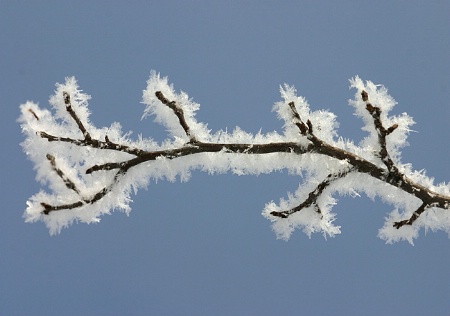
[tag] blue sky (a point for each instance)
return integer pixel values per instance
(202, 247)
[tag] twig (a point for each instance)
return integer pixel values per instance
(69, 183)
(178, 112)
(98, 196)
(312, 196)
(382, 133)
(72, 113)
(413, 217)
(94, 143)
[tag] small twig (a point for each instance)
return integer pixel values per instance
(298, 121)
(375, 112)
(394, 175)
(312, 196)
(413, 217)
(178, 112)
(34, 114)
(69, 183)
(98, 196)
(51, 208)
(72, 113)
(94, 143)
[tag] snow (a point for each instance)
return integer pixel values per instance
(73, 160)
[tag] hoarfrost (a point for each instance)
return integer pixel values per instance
(91, 171)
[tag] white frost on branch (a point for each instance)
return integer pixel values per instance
(65, 146)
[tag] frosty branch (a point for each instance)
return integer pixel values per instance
(75, 157)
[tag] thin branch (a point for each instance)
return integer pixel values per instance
(98, 196)
(382, 132)
(312, 196)
(34, 114)
(94, 143)
(178, 112)
(413, 217)
(69, 183)
(72, 113)
(394, 175)
(304, 130)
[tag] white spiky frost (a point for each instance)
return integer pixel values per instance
(74, 160)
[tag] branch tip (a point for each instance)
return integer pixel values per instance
(391, 129)
(178, 111)
(364, 96)
(161, 97)
(66, 97)
(34, 114)
(47, 208)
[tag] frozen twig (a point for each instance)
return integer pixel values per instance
(382, 132)
(312, 197)
(178, 112)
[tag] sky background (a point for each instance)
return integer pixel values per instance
(202, 247)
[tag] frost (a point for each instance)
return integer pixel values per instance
(87, 172)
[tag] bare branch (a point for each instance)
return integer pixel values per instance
(382, 133)
(394, 175)
(98, 196)
(94, 143)
(72, 113)
(178, 112)
(389, 173)
(34, 114)
(297, 120)
(312, 197)
(69, 183)
(413, 217)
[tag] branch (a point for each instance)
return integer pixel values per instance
(382, 132)
(312, 197)
(394, 175)
(72, 113)
(178, 112)
(389, 173)
(94, 143)
(413, 217)
(69, 183)
(48, 208)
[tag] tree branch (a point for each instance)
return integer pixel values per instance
(382, 133)
(69, 183)
(178, 112)
(316, 146)
(312, 197)
(72, 113)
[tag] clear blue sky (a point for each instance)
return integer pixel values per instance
(202, 247)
